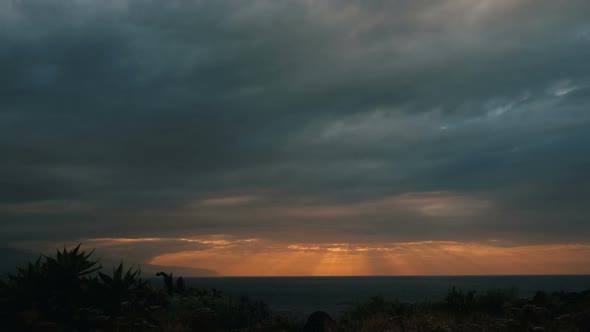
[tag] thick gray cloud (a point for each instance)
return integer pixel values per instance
(125, 118)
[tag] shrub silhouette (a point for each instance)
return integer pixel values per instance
(459, 301)
(67, 279)
(173, 288)
(180, 286)
(119, 287)
(59, 288)
(168, 281)
(492, 301)
(69, 292)
(54, 287)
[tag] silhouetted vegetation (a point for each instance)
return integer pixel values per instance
(491, 301)
(492, 310)
(70, 292)
(173, 288)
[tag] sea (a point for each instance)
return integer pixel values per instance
(300, 296)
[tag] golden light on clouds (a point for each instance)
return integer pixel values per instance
(411, 258)
(110, 241)
(230, 256)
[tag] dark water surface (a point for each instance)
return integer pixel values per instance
(302, 295)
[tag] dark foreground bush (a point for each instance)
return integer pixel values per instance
(492, 301)
(70, 292)
(65, 290)
(467, 311)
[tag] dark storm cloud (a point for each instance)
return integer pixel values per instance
(117, 116)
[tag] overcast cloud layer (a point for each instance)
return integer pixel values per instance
(454, 120)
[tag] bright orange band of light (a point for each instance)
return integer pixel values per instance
(416, 258)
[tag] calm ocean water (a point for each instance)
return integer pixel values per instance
(303, 295)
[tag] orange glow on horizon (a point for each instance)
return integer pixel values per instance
(414, 258)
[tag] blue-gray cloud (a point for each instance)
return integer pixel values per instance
(117, 116)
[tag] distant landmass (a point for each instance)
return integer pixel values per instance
(11, 257)
(149, 270)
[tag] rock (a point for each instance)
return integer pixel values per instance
(319, 321)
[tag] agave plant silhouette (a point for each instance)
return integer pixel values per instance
(120, 286)
(123, 282)
(28, 285)
(74, 264)
(67, 277)
(56, 287)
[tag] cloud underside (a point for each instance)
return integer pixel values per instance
(295, 122)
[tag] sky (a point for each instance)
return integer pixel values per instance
(271, 137)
